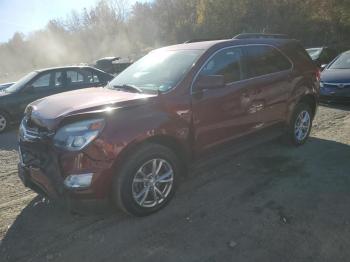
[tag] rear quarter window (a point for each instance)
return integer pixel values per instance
(263, 60)
(297, 53)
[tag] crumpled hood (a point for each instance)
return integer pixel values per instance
(336, 76)
(49, 111)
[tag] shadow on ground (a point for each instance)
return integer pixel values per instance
(8, 140)
(340, 106)
(270, 203)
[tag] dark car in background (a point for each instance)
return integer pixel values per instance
(134, 139)
(335, 80)
(112, 65)
(322, 56)
(42, 83)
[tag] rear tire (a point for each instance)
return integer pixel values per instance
(300, 125)
(146, 181)
(4, 121)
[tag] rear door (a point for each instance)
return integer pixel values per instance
(269, 85)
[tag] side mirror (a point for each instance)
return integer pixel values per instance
(210, 82)
(323, 67)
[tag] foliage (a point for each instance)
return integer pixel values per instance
(111, 28)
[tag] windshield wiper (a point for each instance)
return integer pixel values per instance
(128, 87)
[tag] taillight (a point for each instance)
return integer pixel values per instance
(318, 74)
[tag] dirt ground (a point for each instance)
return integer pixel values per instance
(269, 203)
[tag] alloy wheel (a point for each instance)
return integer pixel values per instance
(152, 183)
(302, 125)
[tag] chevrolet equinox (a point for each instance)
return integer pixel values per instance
(130, 141)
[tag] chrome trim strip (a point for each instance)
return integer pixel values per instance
(336, 84)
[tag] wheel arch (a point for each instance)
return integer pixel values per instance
(7, 113)
(311, 101)
(308, 98)
(182, 152)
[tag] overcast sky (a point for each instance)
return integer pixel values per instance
(29, 15)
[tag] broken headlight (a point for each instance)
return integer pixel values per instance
(76, 136)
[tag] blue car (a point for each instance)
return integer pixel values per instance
(335, 80)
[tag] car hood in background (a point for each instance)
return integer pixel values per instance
(336, 76)
(6, 85)
(49, 111)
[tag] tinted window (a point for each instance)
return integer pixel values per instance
(42, 83)
(93, 77)
(227, 62)
(81, 77)
(74, 78)
(263, 60)
(58, 80)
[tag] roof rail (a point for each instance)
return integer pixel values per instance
(200, 40)
(259, 36)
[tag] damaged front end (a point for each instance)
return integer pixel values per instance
(62, 176)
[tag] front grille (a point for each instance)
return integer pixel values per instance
(39, 155)
(34, 155)
(30, 132)
(337, 85)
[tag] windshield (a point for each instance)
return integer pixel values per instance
(314, 52)
(160, 70)
(342, 62)
(23, 81)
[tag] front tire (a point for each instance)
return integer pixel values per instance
(146, 182)
(301, 124)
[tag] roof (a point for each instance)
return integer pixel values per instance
(63, 67)
(205, 45)
(260, 35)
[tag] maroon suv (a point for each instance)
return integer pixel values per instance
(130, 141)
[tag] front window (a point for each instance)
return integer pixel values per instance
(227, 62)
(160, 70)
(21, 83)
(342, 62)
(42, 83)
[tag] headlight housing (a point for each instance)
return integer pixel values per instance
(321, 84)
(76, 136)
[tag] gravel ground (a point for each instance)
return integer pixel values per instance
(270, 203)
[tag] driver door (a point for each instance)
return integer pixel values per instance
(220, 114)
(45, 84)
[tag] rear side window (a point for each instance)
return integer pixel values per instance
(74, 77)
(227, 62)
(264, 60)
(93, 77)
(58, 79)
(81, 77)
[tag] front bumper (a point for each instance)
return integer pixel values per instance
(38, 182)
(334, 94)
(43, 170)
